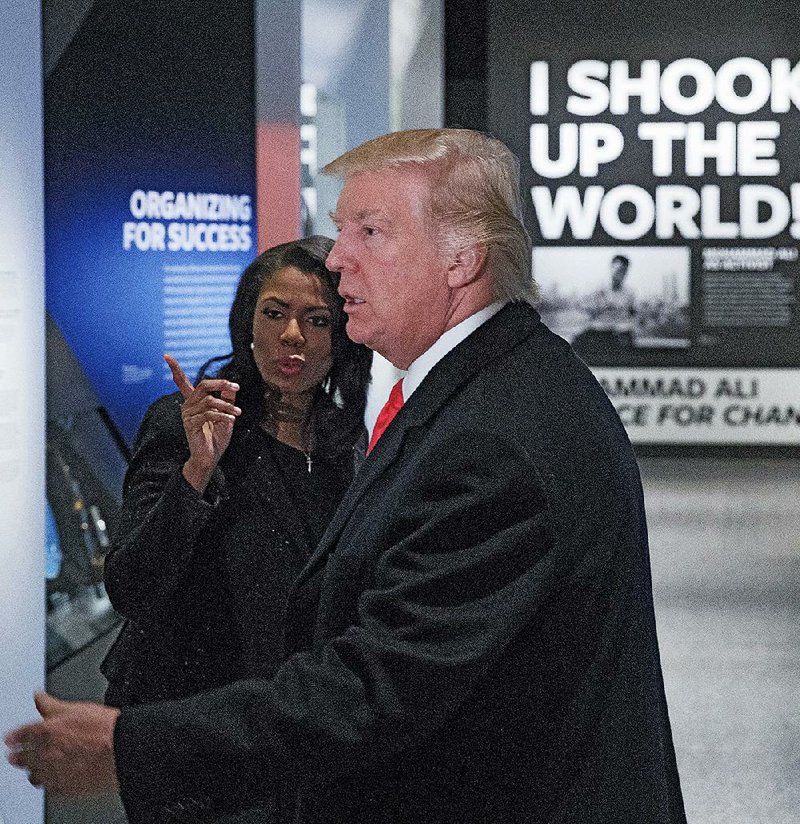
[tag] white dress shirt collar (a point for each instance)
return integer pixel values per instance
(419, 369)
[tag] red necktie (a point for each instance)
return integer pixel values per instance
(390, 409)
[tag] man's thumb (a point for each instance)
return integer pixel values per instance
(46, 704)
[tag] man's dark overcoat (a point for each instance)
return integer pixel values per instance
(474, 639)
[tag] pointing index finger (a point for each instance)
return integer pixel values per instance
(179, 376)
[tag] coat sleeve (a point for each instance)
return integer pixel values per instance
(160, 519)
(463, 549)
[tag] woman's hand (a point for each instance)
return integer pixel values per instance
(208, 421)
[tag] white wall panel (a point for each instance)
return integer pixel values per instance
(22, 413)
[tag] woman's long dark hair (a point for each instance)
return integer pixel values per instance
(338, 408)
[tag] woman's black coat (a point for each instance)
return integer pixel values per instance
(203, 581)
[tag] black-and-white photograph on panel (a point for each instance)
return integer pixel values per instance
(608, 300)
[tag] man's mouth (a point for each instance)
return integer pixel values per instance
(352, 300)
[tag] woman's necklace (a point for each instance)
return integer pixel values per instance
(308, 440)
(290, 426)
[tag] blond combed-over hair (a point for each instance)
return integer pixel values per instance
(475, 196)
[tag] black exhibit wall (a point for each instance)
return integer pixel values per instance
(465, 63)
(661, 184)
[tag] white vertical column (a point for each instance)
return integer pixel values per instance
(22, 395)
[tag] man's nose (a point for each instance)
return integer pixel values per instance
(337, 255)
(292, 334)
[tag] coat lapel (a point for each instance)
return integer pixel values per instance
(493, 339)
(270, 494)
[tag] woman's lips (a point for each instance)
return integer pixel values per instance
(291, 366)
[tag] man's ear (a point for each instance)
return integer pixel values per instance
(466, 266)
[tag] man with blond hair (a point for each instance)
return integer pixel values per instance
(474, 638)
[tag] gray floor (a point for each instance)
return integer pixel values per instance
(79, 679)
(726, 574)
(726, 571)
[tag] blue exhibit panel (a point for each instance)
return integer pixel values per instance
(142, 284)
(150, 162)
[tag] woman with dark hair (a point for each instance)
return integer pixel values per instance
(231, 484)
(338, 404)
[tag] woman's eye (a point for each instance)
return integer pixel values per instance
(273, 314)
(320, 320)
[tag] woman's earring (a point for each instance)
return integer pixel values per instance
(252, 344)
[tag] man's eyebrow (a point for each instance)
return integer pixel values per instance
(364, 214)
